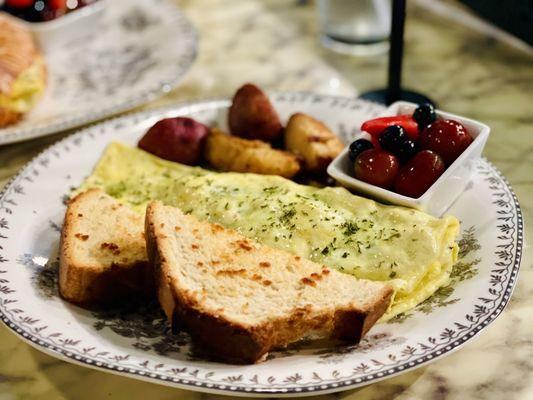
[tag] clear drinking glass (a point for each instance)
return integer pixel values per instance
(359, 27)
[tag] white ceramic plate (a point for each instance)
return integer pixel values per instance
(139, 51)
(136, 343)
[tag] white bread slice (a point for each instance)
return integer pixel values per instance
(241, 299)
(103, 252)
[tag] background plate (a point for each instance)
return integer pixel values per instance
(135, 342)
(139, 51)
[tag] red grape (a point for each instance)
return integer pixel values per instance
(419, 174)
(376, 167)
(447, 138)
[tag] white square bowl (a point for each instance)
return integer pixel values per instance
(444, 191)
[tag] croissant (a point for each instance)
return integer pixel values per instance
(22, 70)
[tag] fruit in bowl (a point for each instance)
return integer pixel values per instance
(377, 167)
(408, 153)
(419, 173)
(446, 137)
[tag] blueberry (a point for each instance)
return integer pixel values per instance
(424, 115)
(392, 137)
(406, 150)
(358, 147)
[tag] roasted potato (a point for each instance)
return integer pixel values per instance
(177, 139)
(312, 141)
(230, 153)
(252, 116)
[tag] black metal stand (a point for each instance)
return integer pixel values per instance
(394, 91)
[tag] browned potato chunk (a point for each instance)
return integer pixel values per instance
(252, 116)
(230, 153)
(312, 141)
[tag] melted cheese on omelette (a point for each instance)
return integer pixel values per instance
(411, 250)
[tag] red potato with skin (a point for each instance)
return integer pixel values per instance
(177, 139)
(252, 116)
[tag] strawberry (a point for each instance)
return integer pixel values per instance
(376, 126)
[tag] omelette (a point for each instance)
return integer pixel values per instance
(411, 250)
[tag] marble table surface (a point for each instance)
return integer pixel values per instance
(274, 44)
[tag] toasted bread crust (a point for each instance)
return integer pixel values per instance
(92, 285)
(352, 325)
(90, 288)
(239, 343)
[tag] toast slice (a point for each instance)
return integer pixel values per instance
(103, 252)
(241, 299)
